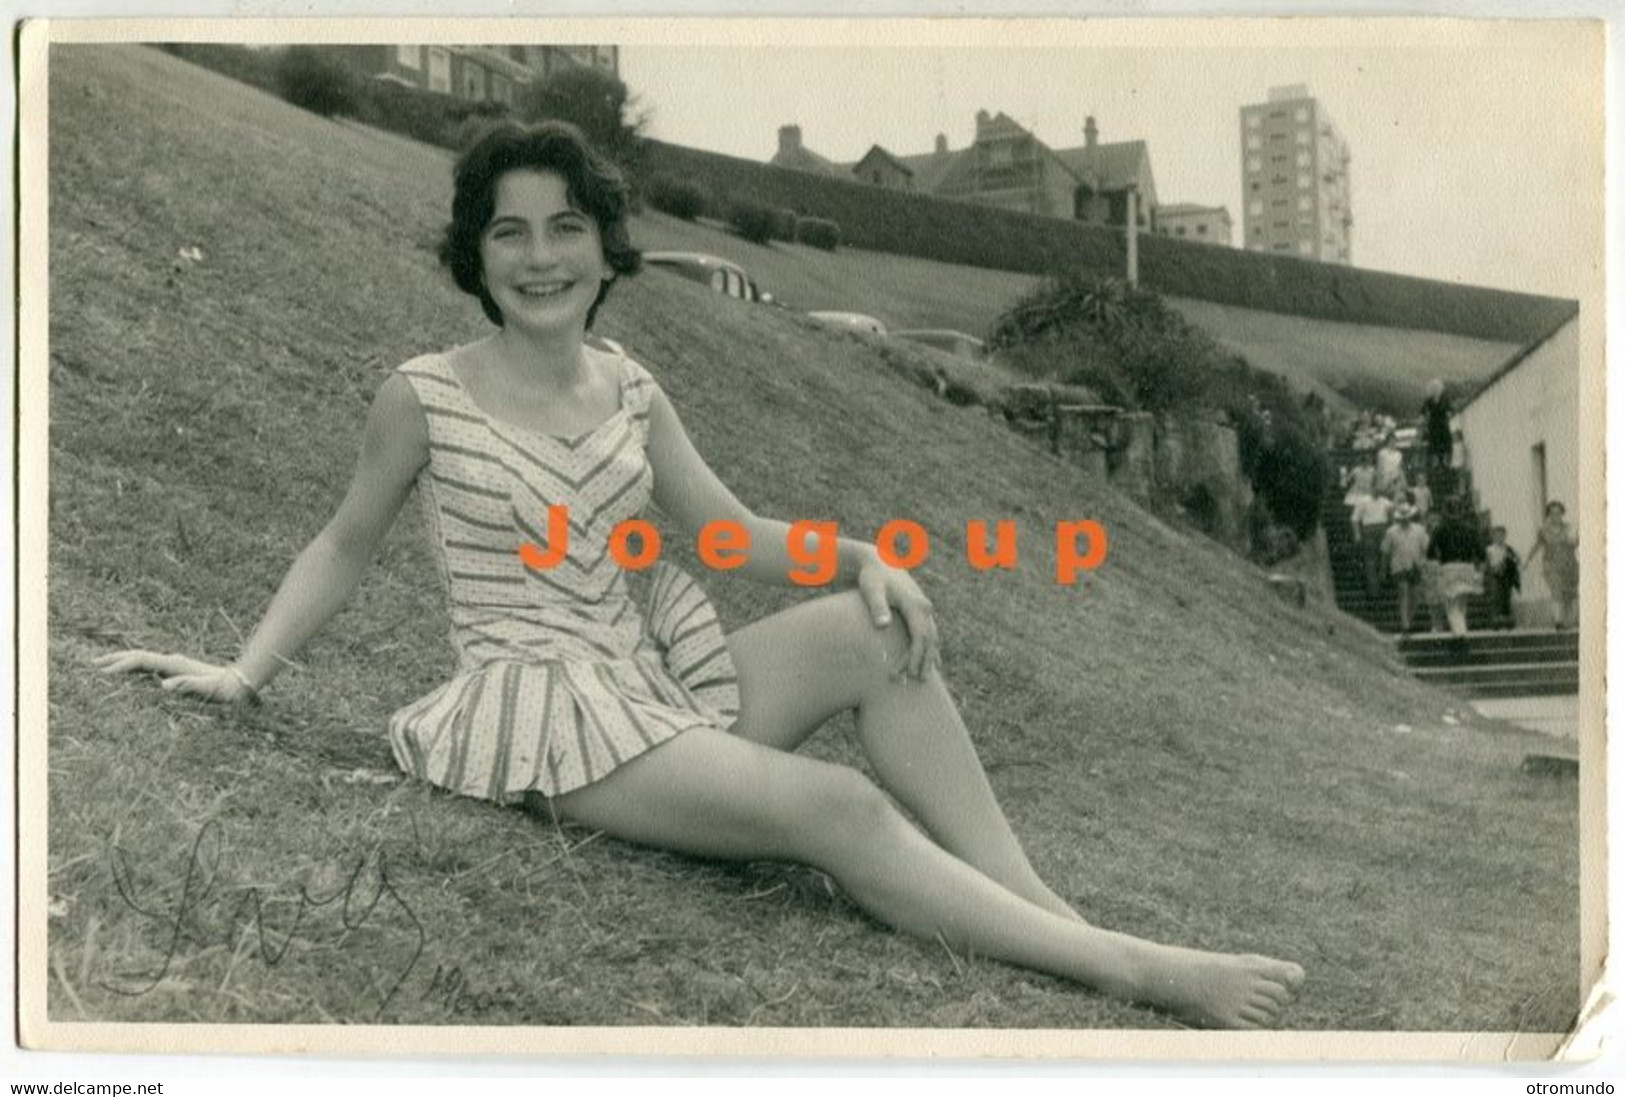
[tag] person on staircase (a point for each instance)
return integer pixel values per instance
(1390, 467)
(1421, 497)
(1436, 412)
(1501, 576)
(1370, 522)
(1405, 546)
(1561, 544)
(1459, 548)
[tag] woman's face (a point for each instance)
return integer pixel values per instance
(541, 258)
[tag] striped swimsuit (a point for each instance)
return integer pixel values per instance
(565, 673)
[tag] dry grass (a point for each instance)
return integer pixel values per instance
(1185, 757)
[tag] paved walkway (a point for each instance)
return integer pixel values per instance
(1557, 716)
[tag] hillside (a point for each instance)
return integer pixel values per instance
(1184, 756)
(904, 223)
(904, 292)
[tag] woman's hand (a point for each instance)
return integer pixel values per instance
(884, 587)
(182, 675)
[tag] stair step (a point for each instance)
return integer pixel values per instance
(1443, 657)
(1502, 674)
(1505, 641)
(1515, 689)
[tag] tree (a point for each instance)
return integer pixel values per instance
(595, 102)
(314, 78)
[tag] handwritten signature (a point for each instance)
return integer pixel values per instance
(366, 887)
(451, 989)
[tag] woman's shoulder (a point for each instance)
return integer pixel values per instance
(638, 385)
(431, 366)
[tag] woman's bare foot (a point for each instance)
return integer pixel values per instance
(1214, 989)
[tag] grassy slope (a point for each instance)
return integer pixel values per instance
(904, 292)
(1184, 757)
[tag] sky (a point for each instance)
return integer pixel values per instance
(1476, 157)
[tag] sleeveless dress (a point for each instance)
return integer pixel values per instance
(564, 673)
(1562, 564)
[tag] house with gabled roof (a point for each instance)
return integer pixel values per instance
(881, 168)
(793, 154)
(1107, 173)
(1006, 165)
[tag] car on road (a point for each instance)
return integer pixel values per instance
(857, 320)
(944, 339)
(720, 274)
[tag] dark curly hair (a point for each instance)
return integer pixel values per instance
(594, 185)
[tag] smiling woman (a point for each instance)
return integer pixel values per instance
(629, 710)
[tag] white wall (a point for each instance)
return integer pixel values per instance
(1537, 402)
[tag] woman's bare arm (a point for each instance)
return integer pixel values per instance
(688, 490)
(394, 446)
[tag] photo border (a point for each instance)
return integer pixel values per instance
(32, 469)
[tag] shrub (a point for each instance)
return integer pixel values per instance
(1275, 433)
(254, 67)
(1105, 334)
(679, 197)
(818, 232)
(1127, 344)
(784, 225)
(412, 112)
(476, 124)
(312, 78)
(752, 220)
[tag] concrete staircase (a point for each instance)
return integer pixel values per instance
(1348, 574)
(1514, 663)
(1517, 663)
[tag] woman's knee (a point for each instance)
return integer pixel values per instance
(880, 649)
(842, 814)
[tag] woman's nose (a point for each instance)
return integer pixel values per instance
(540, 251)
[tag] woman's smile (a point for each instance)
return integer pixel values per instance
(540, 250)
(544, 289)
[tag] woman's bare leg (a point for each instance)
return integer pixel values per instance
(715, 794)
(799, 667)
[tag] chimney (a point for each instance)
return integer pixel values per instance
(942, 143)
(982, 118)
(789, 138)
(1091, 134)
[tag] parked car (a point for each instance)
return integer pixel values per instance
(720, 274)
(851, 320)
(954, 342)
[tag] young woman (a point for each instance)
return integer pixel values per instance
(1558, 539)
(630, 711)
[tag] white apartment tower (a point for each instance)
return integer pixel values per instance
(1294, 178)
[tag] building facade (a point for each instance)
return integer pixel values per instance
(1522, 436)
(1185, 221)
(1108, 172)
(1295, 178)
(1007, 166)
(880, 168)
(480, 74)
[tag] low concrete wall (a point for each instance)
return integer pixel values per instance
(1134, 457)
(1198, 460)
